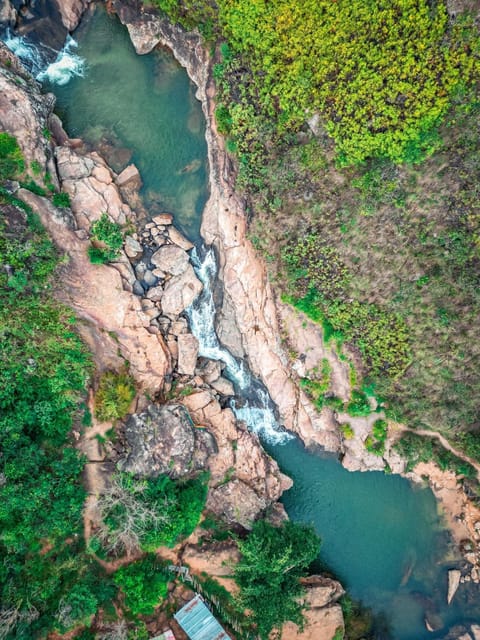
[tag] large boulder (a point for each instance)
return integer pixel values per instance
(187, 353)
(171, 259)
(71, 12)
(180, 291)
(236, 502)
(163, 439)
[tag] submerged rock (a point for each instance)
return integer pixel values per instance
(453, 582)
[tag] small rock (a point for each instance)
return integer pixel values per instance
(177, 238)
(223, 386)
(140, 269)
(475, 630)
(158, 273)
(187, 353)
(475, 574)
(149, 279)
(172, 346)
(155, 294)
(209, 370)
(137, 288)
(133, 248)
(129, 178)
(149, 226)
(179, 326)
(163, 218)
(454, 576)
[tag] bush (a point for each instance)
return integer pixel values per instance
(114, 396)
(144, 585)
(11, 158)
(110, 234)
(375, 443)
(273, 559)
(359, 405)
(61, 199)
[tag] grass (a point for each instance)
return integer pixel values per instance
(114, 396)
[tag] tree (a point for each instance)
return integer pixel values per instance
(273, 559)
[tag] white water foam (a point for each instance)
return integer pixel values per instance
(36, 58)
(66, 65)
(256, 407)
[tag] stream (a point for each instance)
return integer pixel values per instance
(381, 536)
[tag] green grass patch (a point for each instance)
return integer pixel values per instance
(114, 396)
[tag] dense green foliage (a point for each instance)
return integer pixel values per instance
(61, 199)
(144, 584)
(114, 395)
(11, 159)
(272, 561)
(375, 443)
(46, 579)
(149, 513)
(109, 235)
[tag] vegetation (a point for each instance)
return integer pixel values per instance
(144, 584)
(11, 158)
(114, 396)
(61, 199)
(149, 513)
(272, 561)
(109, 235)
(375, 443)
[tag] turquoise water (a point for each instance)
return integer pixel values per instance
(381, 536)
(139, 109)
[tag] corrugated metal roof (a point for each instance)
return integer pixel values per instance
(198, 623)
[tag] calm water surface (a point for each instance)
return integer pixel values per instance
(143, 106)
(381, 537)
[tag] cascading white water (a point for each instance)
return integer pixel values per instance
(37, 58)
(256, 407)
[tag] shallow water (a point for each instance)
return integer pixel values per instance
(143, 105)
(381, 536)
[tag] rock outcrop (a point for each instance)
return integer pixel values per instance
(71, 12)
(163, 440)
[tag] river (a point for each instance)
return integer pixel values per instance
(380, 535)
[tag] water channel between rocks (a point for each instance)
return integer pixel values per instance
(381, 536)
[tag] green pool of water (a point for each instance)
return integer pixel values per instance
(145, 105)
(381, 536)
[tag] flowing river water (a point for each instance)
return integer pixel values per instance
(381, 536)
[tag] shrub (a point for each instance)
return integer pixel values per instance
(347, 431)
(359, 405)
(11, 158)
(61, 199)
(110, 234)
(114, 396)
(144, 584)
(272, 561)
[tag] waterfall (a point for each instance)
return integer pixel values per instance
(44, 63)
(255, 407)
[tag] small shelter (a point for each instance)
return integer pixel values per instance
(198, 622)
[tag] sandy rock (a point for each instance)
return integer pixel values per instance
(223, 386)
(209, 370)
(71, 12)
(96, 294)
(453, 582)
(321, 591)
(236, 502)
(89, 183)
(162, 439)
(170, 259)
(8, 15)
(129, 178)
(320, 624)
(162, 219)
(155, 294)
(132, 248)
(180, 291)
(24, 112)
(177, 238)
(187, 353)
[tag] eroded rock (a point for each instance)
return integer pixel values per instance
(163, 439)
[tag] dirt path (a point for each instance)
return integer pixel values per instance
(445, 444)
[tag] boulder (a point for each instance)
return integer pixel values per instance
(155, 294)
(223, 386)
(187, 353)
(209, 370)
(177, 238)
(454, 576)
(163, 218)
(129, 178)
(163, 439)
(170, 259)
(321, 591)
(475, 631)
(236, 502)
(8, 15)
(320, 624)
(180, 291)
(71, 12)
(133, 248)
